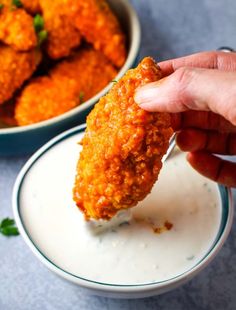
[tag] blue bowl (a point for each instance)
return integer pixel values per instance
(26, 139)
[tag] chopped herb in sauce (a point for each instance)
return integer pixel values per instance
(1, 6)
(8, 228)
(114, 81)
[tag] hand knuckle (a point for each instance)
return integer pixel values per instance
(184, 76)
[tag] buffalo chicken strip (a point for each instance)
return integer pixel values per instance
(122, 148)
(100, 27)
(63, 36)
(71, 82)
(15, 68)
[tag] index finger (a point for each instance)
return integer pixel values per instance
(201, 120)
(209, 60)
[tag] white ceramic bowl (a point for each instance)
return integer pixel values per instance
(26, 139)
(50, 223)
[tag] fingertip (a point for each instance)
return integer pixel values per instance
(213, 167)
(191, 140)
(145, 95)
(189, 157)
(205, 163)
(149, 97)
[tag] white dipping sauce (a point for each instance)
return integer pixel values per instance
(129, 254)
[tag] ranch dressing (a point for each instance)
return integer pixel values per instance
(130, 253)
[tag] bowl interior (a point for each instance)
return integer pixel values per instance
(49, 221)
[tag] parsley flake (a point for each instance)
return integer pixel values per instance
(42, 36)
(38, 23)
(1, 6)
(8, 228)
(81, 97)
(17, 3)
(39, 29)
(114, 81)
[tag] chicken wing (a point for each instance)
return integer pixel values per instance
(68, 84)
(15, 68)
(122, 148)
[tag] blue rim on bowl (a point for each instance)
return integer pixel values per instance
(25, 139)
(113, 290)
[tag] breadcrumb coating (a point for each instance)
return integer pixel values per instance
(44, 98)
(72, 81)
(100, 27)
(15, 68)
(17, 29)
(63, 36)
(122, 148)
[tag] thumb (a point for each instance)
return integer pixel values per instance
(192, 89)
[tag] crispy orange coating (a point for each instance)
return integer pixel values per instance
(77, 78)
(15, 68)
(100, 27)
(44, 98)
(17, 29)
(31, 6)
(63, 36)
(122, 148)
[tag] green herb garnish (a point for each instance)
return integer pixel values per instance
(39, 29)
(8, 228)
(17, 3)
(114, 81)
(1, 6)
(81, 97)
(42, 36)
(38, 23)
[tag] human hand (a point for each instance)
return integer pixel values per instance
(200, 92)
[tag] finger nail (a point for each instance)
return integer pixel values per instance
(147, 93)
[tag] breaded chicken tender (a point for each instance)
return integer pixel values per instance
(100, 27)
(17, 29)
(63, 36)
(68, 84)
(15, 68)
(44, 98)
(122, 148)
